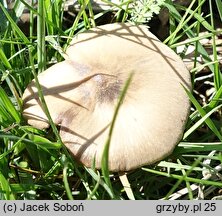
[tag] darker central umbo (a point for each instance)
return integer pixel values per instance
(108, 88)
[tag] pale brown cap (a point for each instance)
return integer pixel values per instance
(82, 91)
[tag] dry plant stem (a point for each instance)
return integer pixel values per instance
(25, 169)
(126, 185)
(206, 172)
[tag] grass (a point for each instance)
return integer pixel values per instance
(34, 164)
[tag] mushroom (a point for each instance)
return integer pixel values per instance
(82, 92)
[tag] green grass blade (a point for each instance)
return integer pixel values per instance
(97, 178)
(198, 17)
(202, 112)
(90, 196)
(186, 147)
(14, 26)
(41, 37)
(37, 140)
(5, 102)
(200, 122)
(216, 99)
(75, 23)
(184, 173)
(49, 14)
(219, 7)
(183, 21)
(185, 178)
(66, 183)
(200, 49)
(217, 73)
(4, 21)
(12, 148)
(5, 188)
(4, 59)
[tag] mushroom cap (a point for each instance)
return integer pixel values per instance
(82, 92)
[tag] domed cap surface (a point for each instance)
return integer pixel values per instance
(82, 92)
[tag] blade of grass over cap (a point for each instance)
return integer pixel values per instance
(105, 156)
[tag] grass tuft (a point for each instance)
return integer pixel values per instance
(34, 164)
